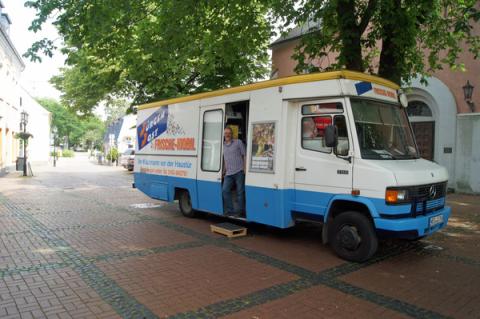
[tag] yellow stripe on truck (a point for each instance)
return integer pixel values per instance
(350, 75)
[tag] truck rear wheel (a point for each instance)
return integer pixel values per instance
(185, 204)
(353, 237)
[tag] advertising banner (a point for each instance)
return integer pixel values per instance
(167, 138)
(263, 147)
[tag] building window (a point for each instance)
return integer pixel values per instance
(418, 108)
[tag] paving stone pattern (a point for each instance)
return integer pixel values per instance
(74, 243)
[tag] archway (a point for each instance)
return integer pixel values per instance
(433, 112)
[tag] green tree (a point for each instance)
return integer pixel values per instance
(77, 129)
(94, 132)
(115, 109)
(152, 49)
(404, 37)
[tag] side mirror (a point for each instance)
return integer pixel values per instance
(331, 138)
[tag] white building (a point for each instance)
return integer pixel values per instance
(39, 121)
(128, 133)
(121, 134)
(13, 100)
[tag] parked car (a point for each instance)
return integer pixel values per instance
(127, 159)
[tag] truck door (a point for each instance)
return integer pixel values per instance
(209, 176)
(320, 171)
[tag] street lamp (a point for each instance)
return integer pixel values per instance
(23, 124)
(467, 93)
(54, 131)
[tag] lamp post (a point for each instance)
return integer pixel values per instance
(54, 131)
(23, 124)
(467, 93)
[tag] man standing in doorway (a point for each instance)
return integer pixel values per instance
(233, 171)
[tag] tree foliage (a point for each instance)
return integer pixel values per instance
(115, 109)
(152, 49)
(147, 50)
(79, 130)
(397, 39)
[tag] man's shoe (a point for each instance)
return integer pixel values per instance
(232, 214)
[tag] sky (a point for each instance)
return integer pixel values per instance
(36, 75)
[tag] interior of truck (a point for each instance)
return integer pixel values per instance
(236, 117)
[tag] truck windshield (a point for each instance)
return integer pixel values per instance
(383, 130)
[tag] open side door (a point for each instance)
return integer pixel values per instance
(209, 170)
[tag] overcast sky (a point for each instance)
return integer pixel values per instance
(36, 75)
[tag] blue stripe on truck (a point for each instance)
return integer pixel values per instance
(275, 206)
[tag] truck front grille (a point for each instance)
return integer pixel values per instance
(427, 198)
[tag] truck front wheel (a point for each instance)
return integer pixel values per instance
(353, 237)
(185, 204)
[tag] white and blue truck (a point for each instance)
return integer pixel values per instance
(335, 148)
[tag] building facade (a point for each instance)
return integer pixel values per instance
(121, 134)
(13, 100)
(446, 127)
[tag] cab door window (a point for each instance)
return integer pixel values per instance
(342, 132)
(313, 133)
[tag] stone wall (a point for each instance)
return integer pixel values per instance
(467, 157)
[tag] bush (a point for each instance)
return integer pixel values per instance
(113, 154)
(68, 153)
(58, 153)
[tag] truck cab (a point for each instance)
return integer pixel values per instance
(363, 159)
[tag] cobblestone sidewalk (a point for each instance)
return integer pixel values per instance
(78, 242)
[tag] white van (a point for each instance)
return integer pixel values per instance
(335, 148)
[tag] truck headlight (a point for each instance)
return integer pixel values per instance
(396, 196)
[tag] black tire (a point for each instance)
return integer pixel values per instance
(352, 236)
(185, 204)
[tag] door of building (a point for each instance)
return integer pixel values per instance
(424, 135)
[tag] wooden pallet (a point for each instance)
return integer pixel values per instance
(228, 229)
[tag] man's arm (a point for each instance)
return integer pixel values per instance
(224, 169)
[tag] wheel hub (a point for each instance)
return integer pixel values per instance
(349, 237)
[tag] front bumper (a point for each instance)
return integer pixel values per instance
(414, 226)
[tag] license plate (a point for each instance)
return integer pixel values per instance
(435, 220)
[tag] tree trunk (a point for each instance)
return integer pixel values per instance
(390, 67)
(392, 50)
(350, 35)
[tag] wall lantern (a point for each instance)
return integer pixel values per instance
(467, 94)
(24, 118)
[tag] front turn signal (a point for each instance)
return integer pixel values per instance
(391, 196)
(395, 196)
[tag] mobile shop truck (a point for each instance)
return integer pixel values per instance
(335, 148)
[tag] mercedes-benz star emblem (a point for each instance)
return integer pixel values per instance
(432, 191)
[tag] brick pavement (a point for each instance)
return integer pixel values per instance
(74, 243)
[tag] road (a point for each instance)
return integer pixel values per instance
(76, 241)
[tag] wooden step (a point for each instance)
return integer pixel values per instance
(228, 229)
